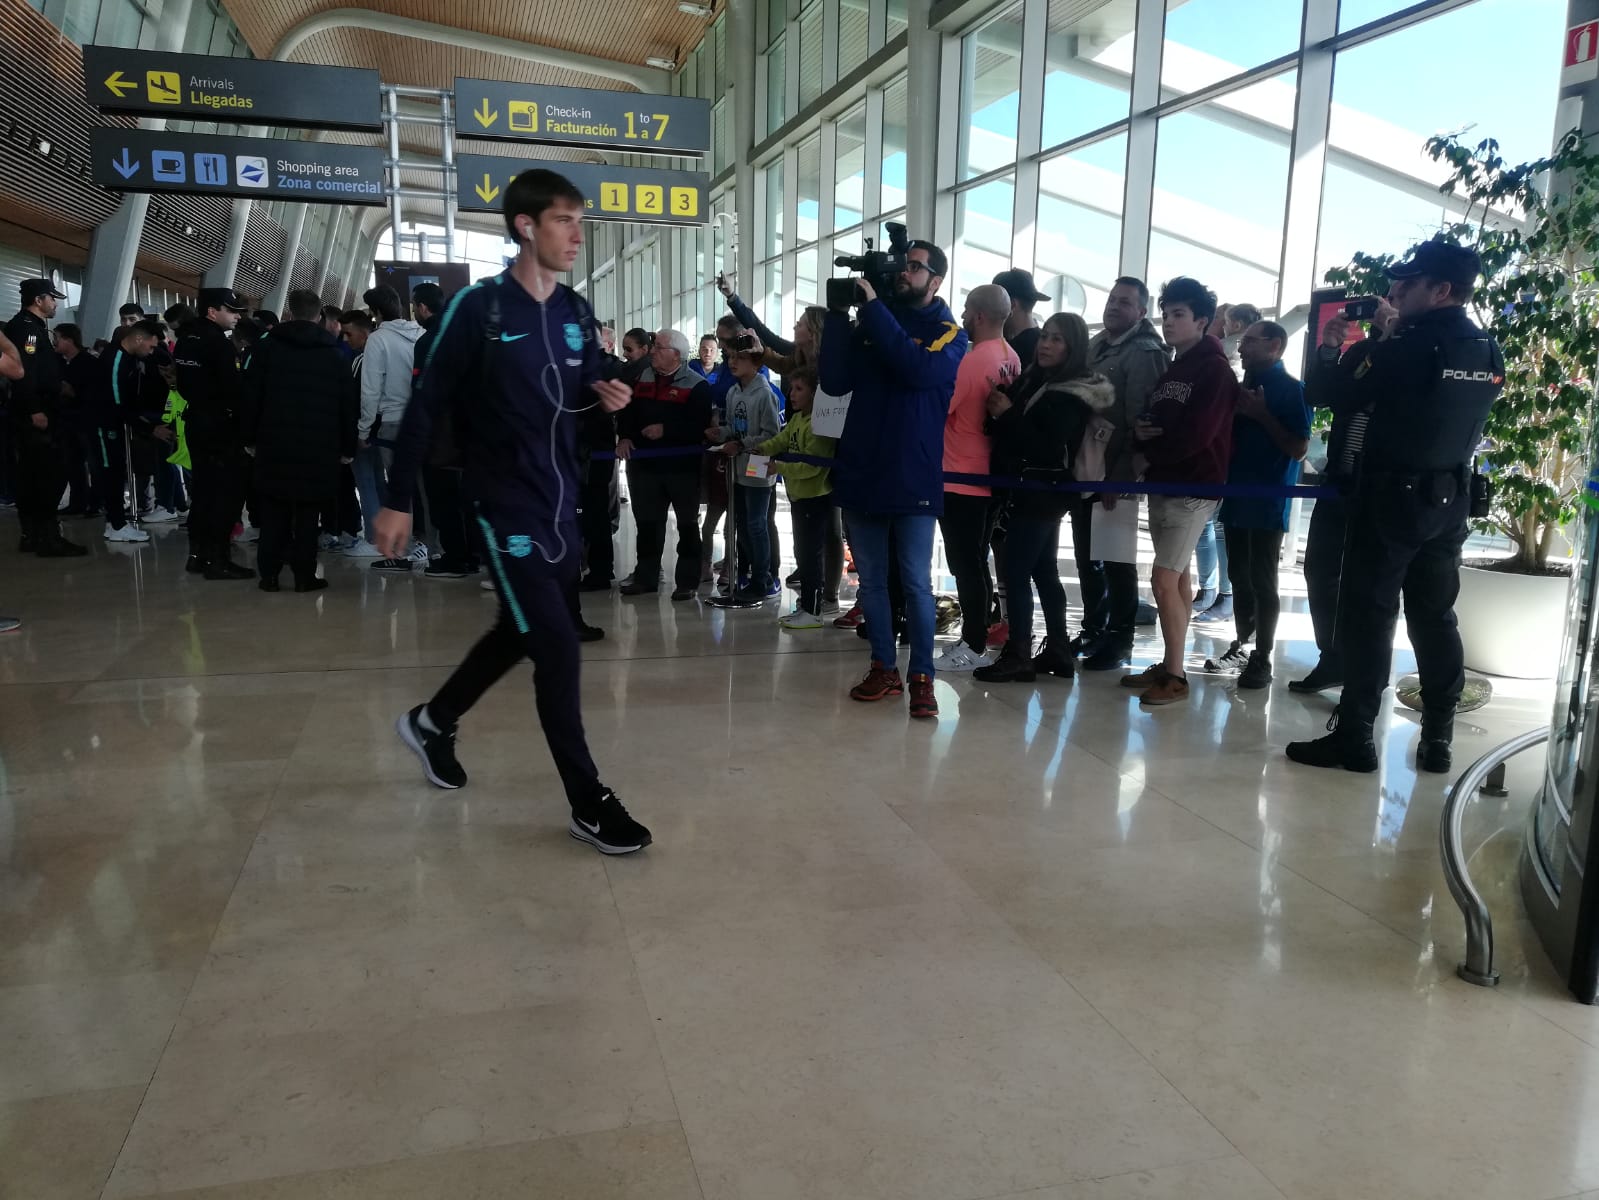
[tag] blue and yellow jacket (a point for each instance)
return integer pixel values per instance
(900, 363)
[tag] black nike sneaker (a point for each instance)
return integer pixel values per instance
(436, 750)
(605, 825)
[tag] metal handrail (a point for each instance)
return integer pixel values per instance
(1479, 965)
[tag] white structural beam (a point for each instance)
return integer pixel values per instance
(645, 79)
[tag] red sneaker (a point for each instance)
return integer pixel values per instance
(998, 633)
(922, 702)
(880, 683)
(850, 620)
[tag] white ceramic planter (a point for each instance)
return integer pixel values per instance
(1512, 625)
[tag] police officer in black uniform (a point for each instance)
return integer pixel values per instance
(34, 410)
(208, 381)
(1328, 386)
(1427, 389)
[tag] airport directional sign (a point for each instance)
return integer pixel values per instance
(248, 91)
(139, 160)
(565, 116)
(610, 193)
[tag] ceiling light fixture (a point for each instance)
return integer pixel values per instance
(692, 9)
(188, 231)
(661, 62)
(41, 144)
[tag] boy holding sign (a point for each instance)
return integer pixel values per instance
(751, 408)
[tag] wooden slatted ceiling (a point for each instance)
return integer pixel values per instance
(624, 30)
(420, 63)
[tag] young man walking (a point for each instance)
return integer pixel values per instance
(516, 359)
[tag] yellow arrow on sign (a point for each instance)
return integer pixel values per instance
(486, 191)
(485, 115)
(119, 86)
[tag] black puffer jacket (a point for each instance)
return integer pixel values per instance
(298, 412)
(1038, 437)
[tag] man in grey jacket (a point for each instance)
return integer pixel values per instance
(388, 368)
(752, 417)
(1129, 352)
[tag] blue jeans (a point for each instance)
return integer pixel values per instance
(1211, 553)
(913, 537)
(369, 478)
(752, 506)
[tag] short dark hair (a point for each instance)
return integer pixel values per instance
(128, 310)
(249, 331)
(806, 372)
(385, 300)
(332, 312)
(707, 337)
(149, 326)
(730, 322)
(1272, 330)
(265, 318)
(430, 294)
(304, 305)
(641, 337)
(178, 315)
(1247, 313)
(71, 332)
(100, 344)
(937, 260)
(1198, 298)
(532, 192)
(357, 316)
(1133, 281)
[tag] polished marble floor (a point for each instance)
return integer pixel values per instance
(1049, 946)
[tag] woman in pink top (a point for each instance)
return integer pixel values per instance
(967, 520)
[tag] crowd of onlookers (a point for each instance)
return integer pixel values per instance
(970, 427)
(296, 442)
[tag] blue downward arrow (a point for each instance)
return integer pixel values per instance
(125, 167)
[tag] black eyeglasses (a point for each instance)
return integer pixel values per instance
(912, 267)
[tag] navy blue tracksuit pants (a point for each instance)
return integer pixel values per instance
(536, 621)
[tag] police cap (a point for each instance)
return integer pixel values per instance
(32, 289)
(1443, 262)
(220, 298)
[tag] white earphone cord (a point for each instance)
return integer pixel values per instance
(557, 395)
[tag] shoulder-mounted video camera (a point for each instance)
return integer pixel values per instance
(879, 267)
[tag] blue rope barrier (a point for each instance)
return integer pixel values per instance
(1253, 491)
(1115, 487)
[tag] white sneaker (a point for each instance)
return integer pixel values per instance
(248, 534)
(361, 548)
(328, 541)
(420, 552)
(159, 516)
(800, 619)
(487, 585)
(128, 533)
(961, 657)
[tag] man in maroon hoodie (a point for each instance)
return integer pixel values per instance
(1185, 437)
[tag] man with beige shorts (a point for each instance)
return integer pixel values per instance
(1186, 438)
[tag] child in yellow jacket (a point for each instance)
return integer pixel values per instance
(810, 496)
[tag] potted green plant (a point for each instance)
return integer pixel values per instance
(1536, 227)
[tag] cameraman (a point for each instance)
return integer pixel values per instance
(899, 360)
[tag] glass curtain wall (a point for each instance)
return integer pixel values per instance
(1053, 167)
(1214, 181)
